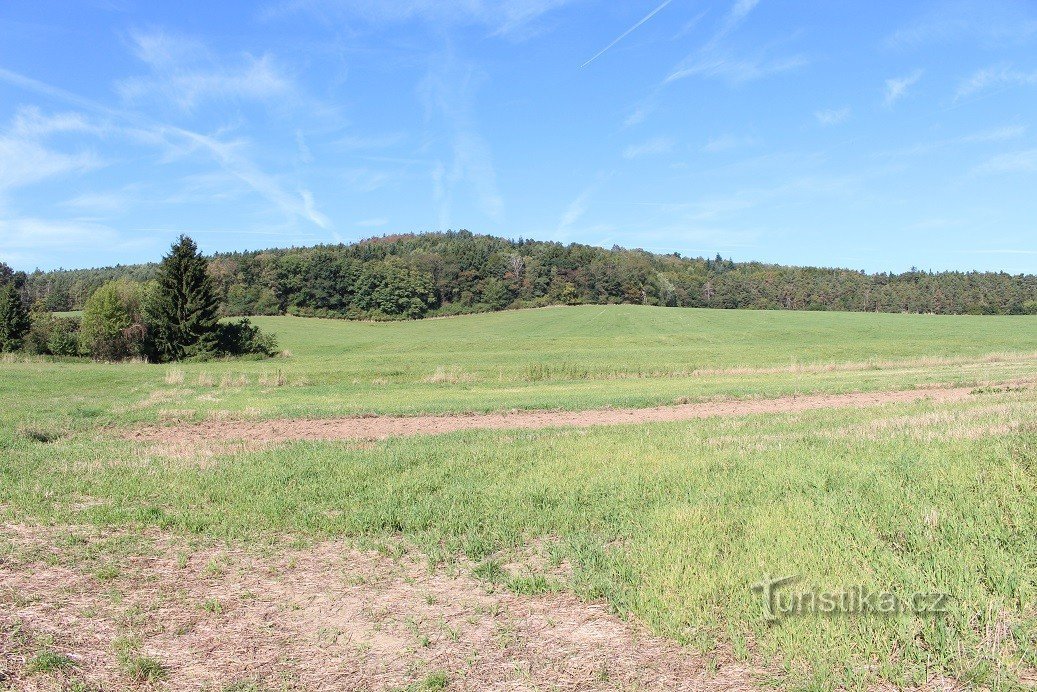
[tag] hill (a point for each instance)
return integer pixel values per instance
(410, 276)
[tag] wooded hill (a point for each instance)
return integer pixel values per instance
(409, 276)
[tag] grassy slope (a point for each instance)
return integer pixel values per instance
(672, 522)
(574, 358)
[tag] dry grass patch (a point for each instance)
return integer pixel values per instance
(327, 616)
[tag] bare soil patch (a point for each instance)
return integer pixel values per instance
(326, 616)
(384, 427)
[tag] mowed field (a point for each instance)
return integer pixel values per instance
(559, 557)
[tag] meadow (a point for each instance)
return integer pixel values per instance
(669, 524)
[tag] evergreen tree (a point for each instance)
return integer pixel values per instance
(6, 274)
(14, 319)
(183, 312)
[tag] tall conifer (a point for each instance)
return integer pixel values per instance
(184, 310)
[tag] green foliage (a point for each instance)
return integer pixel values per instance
(183, 311)
(52, 335)
(112, 326)
(457, 272)
(393, 289)
(49, 662)
(14, 319)
(244, 338)
(496, 294)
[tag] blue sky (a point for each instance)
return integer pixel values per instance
(871, 135)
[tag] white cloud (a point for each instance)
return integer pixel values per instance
(1014, 162)
(832, 116)
(24, 162)
(897, 87)
(354, 142)
(638, 116)
(186, 74)
(26, 159)
(735, 16)
(502, 17)
(992, 22)
(177, 141)
(991, 77)
(40, 236)
(736, 70)
(728, 142)
(575, 211)
(372, 223)
(448, 92)
(997, 134)
(714, 60)
(99, 202)
(653, 147)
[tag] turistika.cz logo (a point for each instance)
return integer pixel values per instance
(778, 602)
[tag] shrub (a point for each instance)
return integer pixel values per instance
(243, 338)
(111, 328)
(52, 335)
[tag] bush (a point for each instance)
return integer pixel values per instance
(112, 328)
(51, 335)
(244, 338)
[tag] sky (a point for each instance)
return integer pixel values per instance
(874, 135)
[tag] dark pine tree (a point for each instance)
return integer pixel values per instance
(184, 314)
(14, 319)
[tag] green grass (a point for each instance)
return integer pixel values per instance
(572, 358)
(671, 522)
(49, 662)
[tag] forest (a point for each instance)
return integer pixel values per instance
(433, 274)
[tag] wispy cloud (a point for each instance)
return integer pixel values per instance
(736, 70)
(832, 116)
(735, 16)
(99, 202)
(1000, 76)
(25, 156)
(185, 73)
(991, 22)
(897, 87)
(638, 115)
(229, 155)
(372, 223)
(627, 32)
(509, 18)
(448, 91)
(358, 142)
(652, 147)
(715, 60)
(575, 211)
(1003, 133)
(728, 142)
(1013, 162)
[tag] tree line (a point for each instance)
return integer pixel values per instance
(411, 276)
(175, 315)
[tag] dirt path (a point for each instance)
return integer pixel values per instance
(325, 617)
(383, 427)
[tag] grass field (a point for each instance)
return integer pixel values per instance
(668, 523)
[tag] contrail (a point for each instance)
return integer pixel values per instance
(627, 33)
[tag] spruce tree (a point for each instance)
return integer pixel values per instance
(183, 314)
(14, 319)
